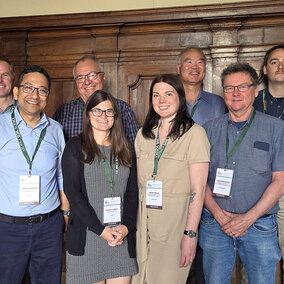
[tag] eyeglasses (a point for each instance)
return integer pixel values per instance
(241, 88)
(43, 92)
(91, 76)
(98, 112)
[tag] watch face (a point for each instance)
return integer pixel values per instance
(190, 233)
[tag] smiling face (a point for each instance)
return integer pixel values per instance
(165, 100)
(88, 87)
(102, 123)
(192, 67)
(239, 103)
(6, 79)
(275, 66)
(31, 105)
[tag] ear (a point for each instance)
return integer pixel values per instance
(264, 70)
(256, 91)
(178, 69)
(15, 93)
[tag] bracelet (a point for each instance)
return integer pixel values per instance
(64, 212)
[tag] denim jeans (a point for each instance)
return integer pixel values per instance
(258, 250)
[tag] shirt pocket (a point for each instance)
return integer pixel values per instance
(175, 174)
(260, 159)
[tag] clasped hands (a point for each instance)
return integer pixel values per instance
(234, 225)
(114, 235)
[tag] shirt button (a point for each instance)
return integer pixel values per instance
(238, 132)
(234, 163)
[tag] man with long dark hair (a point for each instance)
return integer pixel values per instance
(270, 100)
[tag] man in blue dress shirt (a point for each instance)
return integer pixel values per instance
(89, 77)
(31, 186)
(202, 105)
(270, 100)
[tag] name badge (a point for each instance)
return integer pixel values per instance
(154, 194)
(112, 212)
(29, 190)
(223, 182)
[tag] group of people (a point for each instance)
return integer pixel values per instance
(136, 203)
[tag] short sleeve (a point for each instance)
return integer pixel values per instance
(198, 146)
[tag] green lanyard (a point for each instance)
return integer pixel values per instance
(158, 153)
(265, 104)
(21, 142)
(239, 141)
(194, 109)
(109, 178)
(81, 106)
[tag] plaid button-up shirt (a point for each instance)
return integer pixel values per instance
(70, 116)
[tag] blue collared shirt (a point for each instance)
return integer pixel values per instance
(209, 106)
(70, 116)
(260, 154)
(47, 164)
(275, 106)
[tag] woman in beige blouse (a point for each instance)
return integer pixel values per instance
(172, 159)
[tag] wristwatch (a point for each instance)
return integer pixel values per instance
(190, 234)
(64, 212)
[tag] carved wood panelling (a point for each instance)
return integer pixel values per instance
(134, 46)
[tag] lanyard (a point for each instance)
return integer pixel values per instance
(109, 178)
(239, 141)
(158, 153)
(81, 105)
(194, 109)
(21, 142)
(264, 101)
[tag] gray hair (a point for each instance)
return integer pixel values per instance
(87, 57)
(183, 51)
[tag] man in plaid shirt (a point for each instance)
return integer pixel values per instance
(89, 78)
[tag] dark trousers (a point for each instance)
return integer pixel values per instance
(37, 245)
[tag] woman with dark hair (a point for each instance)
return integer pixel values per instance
(172, 161)
(100, 182)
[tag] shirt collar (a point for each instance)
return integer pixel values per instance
(203, 95)
(43, 121)
(230, 121)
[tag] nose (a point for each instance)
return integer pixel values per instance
(35, 93)
(87, 81)
(104, 113)
(161, 99)
(236, 91)
(281, 65)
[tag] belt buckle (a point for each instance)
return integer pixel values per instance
(35, 219)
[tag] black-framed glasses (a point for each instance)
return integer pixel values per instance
(98, 112)
(28, 89)
(91, 76)
(241, 88)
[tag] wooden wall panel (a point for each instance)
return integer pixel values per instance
(134, 46)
